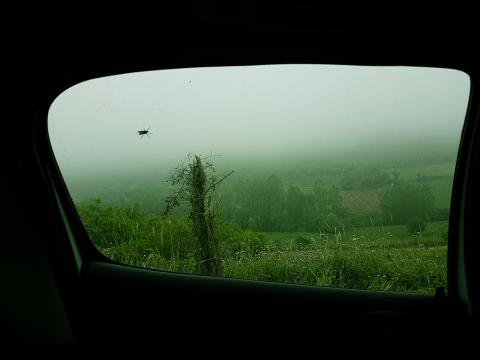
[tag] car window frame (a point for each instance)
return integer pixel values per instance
(81, 252)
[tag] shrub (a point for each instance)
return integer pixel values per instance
(237, 242)
(399, 203)
(416, 225)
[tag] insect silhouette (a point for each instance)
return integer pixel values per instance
(144, 132)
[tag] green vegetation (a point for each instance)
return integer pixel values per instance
(366, 225)
(379, 258)
(193, 185)
(268, 205)
(416, 225)
(402, 202)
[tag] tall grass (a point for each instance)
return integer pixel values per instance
(376, 258)
(403, 269)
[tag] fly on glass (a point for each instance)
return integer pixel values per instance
(144, 132)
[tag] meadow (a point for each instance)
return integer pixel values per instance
(316, 223)
(386, 258)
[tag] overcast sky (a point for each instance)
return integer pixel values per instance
(250, 111)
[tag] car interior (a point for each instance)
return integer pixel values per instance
(58, 289)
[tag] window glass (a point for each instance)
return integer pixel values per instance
(324, 175)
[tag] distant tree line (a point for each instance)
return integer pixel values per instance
(267, 205)
(368, 178)
(405, 201)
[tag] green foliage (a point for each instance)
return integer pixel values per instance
(330, 265)
(265, 205)
(118, 223)
(441, 214)
(367, 178)
(378, 258)
(112, 226)
(269, 198)
(444, 234)
(317, 242)
(192, 184)
(238, 243)
(303, 241)
(399, 203)
(416, 225)
(369, 219)
(331, 224)
(296, 206)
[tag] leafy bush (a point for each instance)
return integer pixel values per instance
(109, 225)
(399, 203)
(416, 225)
(237, 242)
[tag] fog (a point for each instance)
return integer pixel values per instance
(253, 114)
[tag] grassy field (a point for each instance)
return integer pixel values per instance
(370, 257)
(377, 258)
(414, 269)
(374, 258)
(361, 202)
(394, 236)
(438, 177)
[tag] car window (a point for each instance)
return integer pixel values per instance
(323, 175)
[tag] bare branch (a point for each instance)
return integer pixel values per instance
(219, 181)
